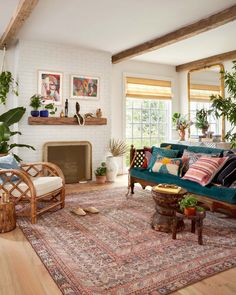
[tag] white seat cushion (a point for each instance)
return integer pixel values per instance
(43, 185)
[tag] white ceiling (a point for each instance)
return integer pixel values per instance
(7, 8)
(210, 43)
(115, 25)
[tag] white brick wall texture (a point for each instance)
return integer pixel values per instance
(34, 56)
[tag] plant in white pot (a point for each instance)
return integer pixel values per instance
(117, 148)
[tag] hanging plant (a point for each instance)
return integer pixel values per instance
(7, 84)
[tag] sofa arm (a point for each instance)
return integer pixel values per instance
(42, 169)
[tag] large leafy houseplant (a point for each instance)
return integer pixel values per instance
(7, 84)
(227, 106)
(6, 120)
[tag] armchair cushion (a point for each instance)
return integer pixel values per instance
(43, 185)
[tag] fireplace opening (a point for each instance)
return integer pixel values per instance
(73, 157)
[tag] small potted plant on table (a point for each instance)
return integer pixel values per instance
(188, 205)
(35, 103)
(100, 173)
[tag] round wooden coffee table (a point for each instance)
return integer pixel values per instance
(166, 205)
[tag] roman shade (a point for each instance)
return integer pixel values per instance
(148, 88)
(202, 92)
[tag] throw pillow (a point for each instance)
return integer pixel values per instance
(161, 152)
(227, 174)
(204, 170)
(168, 166)
(193, 157)
(9, 162)
(147, 156)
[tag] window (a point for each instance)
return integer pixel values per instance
(148, 111)
(200, 99)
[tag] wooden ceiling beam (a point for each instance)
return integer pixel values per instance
(206, 62)
(203, 25)
(23, 11)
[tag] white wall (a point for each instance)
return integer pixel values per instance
(143, 69)
(34, 56)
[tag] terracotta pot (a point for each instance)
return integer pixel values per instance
(100, 179)
(190, 211)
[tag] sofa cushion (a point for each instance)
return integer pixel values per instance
(168, 166)
(204, 170)
(219, 193)
(43, 185)
(161, 152)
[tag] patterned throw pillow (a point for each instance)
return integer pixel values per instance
(193, 157)
(168, 166)
(227, 174)
(204, 170)
(9, 162)
(147, 156)
(161, 152)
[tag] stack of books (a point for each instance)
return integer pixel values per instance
(167, 188)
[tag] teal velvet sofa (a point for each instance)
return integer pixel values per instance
(214, 197)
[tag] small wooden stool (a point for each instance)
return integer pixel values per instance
(196, 221)
(7, 217)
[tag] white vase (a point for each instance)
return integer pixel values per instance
(112, 168)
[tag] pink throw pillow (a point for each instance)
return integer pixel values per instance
(204, 170)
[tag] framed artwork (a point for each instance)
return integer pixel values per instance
(50, 86)
(84, 87)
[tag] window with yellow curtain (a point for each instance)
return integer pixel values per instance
(200, 99)
(148, 111)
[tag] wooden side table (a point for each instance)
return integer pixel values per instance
(166, 205)
(7, 217)
(196, 222)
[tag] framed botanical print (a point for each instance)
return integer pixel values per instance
(50, 86)
(84, 87)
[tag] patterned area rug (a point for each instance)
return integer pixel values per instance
(117, 252)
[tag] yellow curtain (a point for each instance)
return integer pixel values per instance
(148, 88)
(202, 92)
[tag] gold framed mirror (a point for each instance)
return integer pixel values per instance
(202, 83)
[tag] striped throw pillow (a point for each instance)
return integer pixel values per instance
(204, 170)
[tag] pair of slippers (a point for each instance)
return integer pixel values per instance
(82, 211)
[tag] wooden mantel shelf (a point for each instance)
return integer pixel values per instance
(64, 121)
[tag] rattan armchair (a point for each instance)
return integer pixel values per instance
(41, 185)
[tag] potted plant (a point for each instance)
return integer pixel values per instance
(117, 148)
(100, 173)
(188, 205)
(227, 106)
(7, 83)
(6, 120)
(48, 109)
(35, 103)
(201, 121)
(181, 123)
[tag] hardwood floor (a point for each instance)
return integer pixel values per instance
(22, 273)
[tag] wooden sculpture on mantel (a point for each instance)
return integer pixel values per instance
(79, 117)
